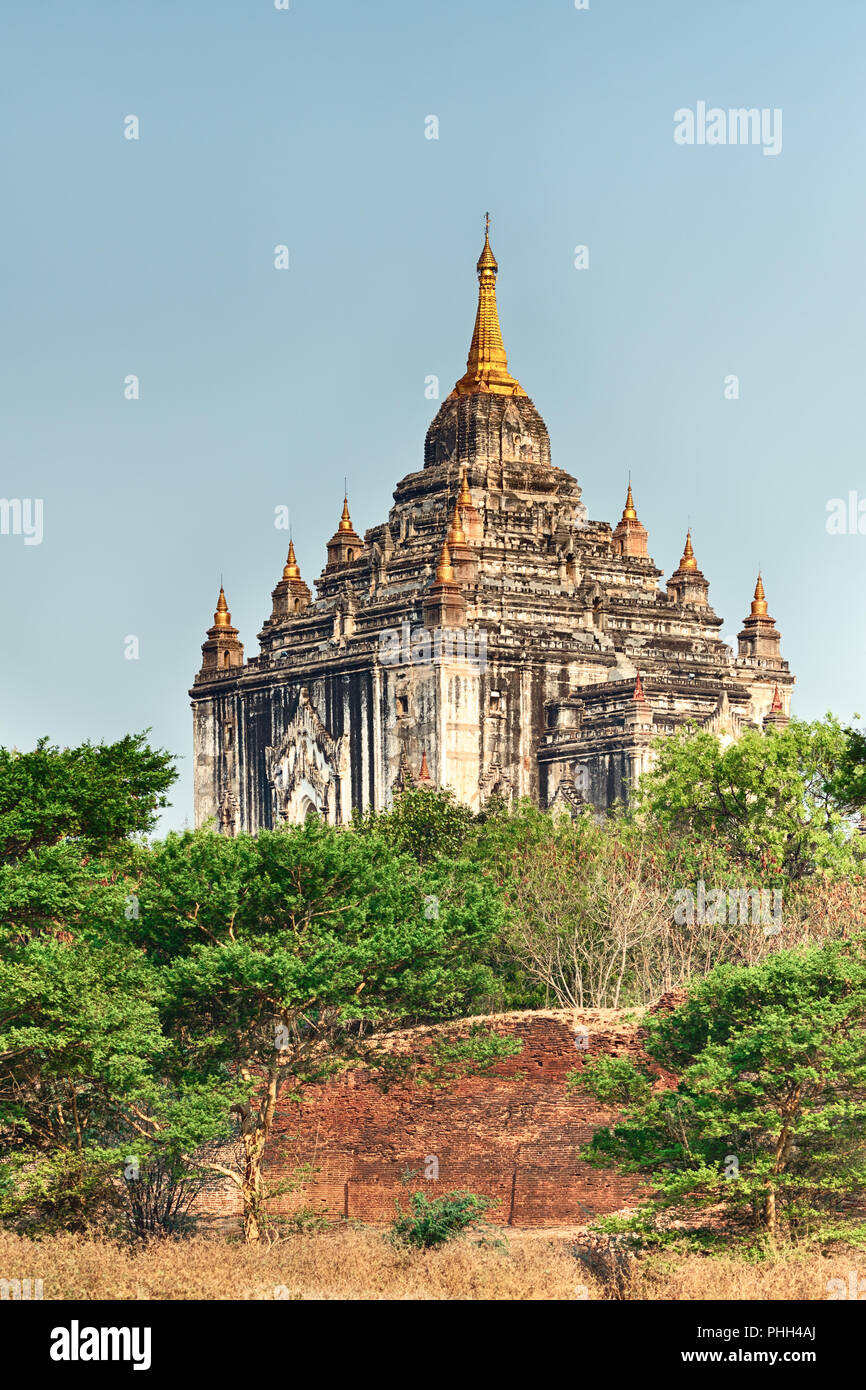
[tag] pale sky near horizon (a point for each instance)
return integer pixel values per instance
(262, 387)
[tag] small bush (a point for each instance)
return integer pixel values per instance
(610, 1080)
(454, 1058)
(434, 1221)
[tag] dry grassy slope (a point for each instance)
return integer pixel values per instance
(513, 1133)
(345, 1263)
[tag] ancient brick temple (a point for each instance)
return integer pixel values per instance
(487, 637)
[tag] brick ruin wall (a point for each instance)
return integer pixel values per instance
(513, 1133)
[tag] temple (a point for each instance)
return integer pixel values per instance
(487, 637)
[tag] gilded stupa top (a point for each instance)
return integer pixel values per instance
(759, 602)
(445, 570)
(291, 569)
(688, 562)
(456, 534)
(487, 366)
(465, 497)
(222, 617)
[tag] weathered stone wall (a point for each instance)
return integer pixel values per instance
(514, 1133)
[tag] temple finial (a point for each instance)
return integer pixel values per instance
(629, 512)
(487, 366)
(465, 497)
(688, 562)
(759, 602)
(776, 706)
(638, 689)
(456, 534)
(291, 569)
(444, 570)
(345, 519)
(222, 617)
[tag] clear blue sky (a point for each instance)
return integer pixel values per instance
(261, 387)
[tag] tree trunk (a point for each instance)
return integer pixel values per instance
(252, 1227)
(770, 1210)
(254, 1143)
(251, 1186)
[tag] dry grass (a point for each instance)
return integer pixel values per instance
(347, 1263)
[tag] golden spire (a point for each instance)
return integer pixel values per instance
(222, 617)
(629, 513)
(465, 497)
(759, 602)
(456, 534)
(688, 562)
(291, 569)
(487, 365)
(345, 519)
(444, 570)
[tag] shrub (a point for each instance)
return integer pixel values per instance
(434, 1221)
(610, 1080)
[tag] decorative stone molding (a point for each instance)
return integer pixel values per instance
(306, 770)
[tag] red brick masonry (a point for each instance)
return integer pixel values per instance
(512, 1133)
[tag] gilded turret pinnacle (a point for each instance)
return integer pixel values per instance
(630, 538)
(487, 366)
(345, 519)
(456, 534)
(222, 648)
(465, 497)
(291, 569)
(688, 562)
(222, 617)
(759, 602)
(444, 570)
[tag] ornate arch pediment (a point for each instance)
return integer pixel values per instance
(306, 768)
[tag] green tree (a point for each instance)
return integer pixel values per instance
(283, 954)
(98, 794)
(425, 822)
(67, 821)
(769, 797)
(849, 782)
(768, 1115)
(80, 1037)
